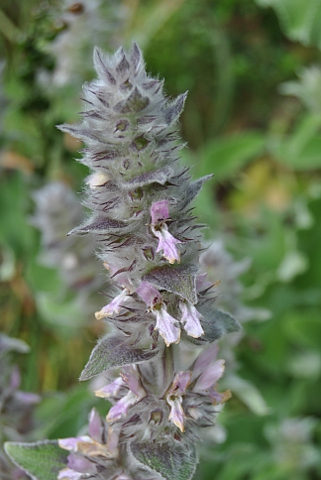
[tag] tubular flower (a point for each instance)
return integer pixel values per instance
(114, 306)
(191, 320)
(167, 243)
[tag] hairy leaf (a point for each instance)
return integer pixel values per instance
(111, 352)
(172, 461)
(216, 324)
(193, 189)
(41, 460)
(99, 225)
(179, 279)
(154, 176)
(173, 111)
(133, 104)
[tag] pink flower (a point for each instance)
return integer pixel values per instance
(149, 294)
(129, 379)
(68, 474)
(175, 398)
(166, 324)
(207, 370)
(191, 319)
(113, 307)
(167, 243)
(110, 390)
(159, 211)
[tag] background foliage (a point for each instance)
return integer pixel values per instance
(253, 118)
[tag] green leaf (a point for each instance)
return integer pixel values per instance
(178, 279)
(248, 393)
(303, 328)
(301, 149)
(41, 460)
(231, 153)
(172, 461)
(300, 20)
(112, 352)
(62, 314)
(216, 324)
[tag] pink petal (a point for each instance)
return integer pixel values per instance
(131, 377)
(165, 323)
(149, 294)
(201, 282)
(176, 415)
(180, 383)
(167, 243)
(112, 441)
(121, 407)
(15, 378)
(95, 425)
(71, 443)
(80, 464)
(110, 390)
(159, 211)
(68, 474)
(113, 307)
(28, 397)
(205, 360)
(191, 320)
(210, 376)
(217, 397)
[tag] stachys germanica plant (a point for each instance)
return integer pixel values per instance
(159, 356)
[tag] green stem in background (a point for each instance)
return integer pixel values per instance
(225, 79)
(9, 29)
(145, 22)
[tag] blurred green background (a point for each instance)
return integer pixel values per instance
(253, 118)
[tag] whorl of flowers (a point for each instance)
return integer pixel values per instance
(140, 196)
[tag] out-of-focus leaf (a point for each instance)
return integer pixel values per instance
(307, 88)
(63, 415)
(305, 365)
(7, 265)
(60, 313)
(301, 149)
(226, 155)
(303, 328)
(151, 18)
(14, 228)
(300, 20)
(42, 278)
(248, 393)
(14, 160)
(292, 265)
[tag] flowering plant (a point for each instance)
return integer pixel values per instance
(159, 353)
